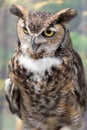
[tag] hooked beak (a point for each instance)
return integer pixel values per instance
(35, 46)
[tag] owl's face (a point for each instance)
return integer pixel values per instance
(46, 40)
(41, 32)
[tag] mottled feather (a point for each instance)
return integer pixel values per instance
(46, 87)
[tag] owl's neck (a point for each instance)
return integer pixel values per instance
(39, 65)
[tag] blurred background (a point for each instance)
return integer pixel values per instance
(8, 41)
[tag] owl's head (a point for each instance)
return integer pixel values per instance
(42, 33)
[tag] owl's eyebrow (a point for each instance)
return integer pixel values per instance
(22, 25)
(52, 29)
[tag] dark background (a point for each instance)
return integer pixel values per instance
(8, 41)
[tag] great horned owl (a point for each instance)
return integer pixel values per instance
(46, 87)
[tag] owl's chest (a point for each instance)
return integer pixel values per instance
(42, 81)
(44, 75)
(41, 75)
(42, 91)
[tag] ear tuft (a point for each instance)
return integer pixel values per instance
(16, 11)
(19, 11)
(65, 15)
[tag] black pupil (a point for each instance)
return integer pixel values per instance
(48, 31)
(25, 28)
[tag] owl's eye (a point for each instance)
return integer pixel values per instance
(25, 31)
(48, 33)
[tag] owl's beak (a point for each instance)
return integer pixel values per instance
(35, 46)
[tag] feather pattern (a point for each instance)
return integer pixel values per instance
(46, 87)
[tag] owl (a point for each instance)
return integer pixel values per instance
(46, 86)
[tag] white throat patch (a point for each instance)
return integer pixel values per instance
(39, 65)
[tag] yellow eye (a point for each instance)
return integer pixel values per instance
(48, 33)
(25, 31)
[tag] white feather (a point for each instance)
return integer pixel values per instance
(66, 128)
(7, 85)
(37, 90)
(24, 47)
(40, 65)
